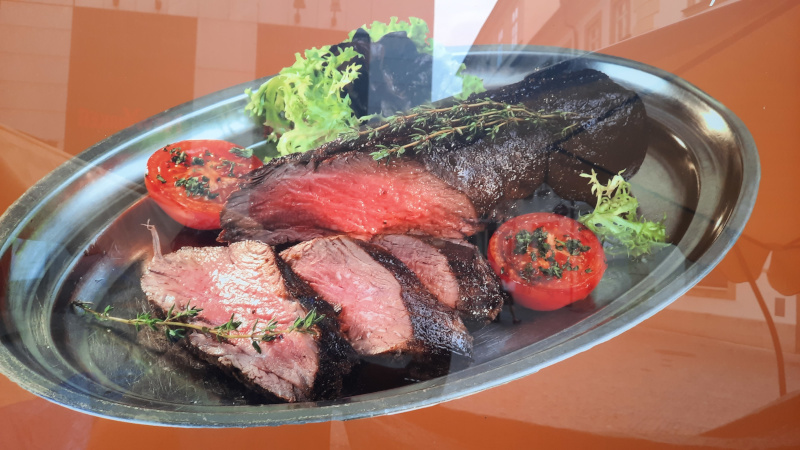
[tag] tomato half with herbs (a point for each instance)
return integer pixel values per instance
(546, 261)
(191, 180)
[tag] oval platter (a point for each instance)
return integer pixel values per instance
(78, 235)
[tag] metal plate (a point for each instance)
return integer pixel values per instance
(77, 234)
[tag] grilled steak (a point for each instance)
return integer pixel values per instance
(347, 193)
(605, 131)
(449, 189)
(384, 309)
(454, 271)
(247, 282)
(611, 138)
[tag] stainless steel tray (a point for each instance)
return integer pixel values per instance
(77, 234)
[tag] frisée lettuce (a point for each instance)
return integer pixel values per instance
(305, 105)
(616, 222)
(302, 104)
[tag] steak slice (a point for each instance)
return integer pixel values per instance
(348, 193)
(384, 309)
(452, 270)
(245, 282)
(450, 188)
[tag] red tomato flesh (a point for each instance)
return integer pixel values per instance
(546, 261)
(191, 180)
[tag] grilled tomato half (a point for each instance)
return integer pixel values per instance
(191, 180)
(546, 261)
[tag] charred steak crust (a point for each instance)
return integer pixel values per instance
(611, 135)
(492, 172)
(481, 296)
(337, 356)
(592, 147)
(454, 271)
(608, 134)
(437, 328)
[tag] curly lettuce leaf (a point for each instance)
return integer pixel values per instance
(470, 84)
(461, 86)
(416, 29)
(616, 222)
(302, 104)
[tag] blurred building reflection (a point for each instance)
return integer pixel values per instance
(52, 51)
(585, 24)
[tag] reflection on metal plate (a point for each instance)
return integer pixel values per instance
(77, 234)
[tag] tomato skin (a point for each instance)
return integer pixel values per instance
(522, 275)
(213, 172)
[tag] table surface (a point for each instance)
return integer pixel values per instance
(719, 367)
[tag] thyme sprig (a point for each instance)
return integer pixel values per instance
(427, 125)
(175, 326)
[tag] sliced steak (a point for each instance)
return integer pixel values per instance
(245, 281)
(384, 309)
(448, 189)
(348, 193)
(337, 356)
(454, 271)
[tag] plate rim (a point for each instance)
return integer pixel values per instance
(416, 395)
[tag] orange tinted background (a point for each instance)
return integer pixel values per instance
(720, 367)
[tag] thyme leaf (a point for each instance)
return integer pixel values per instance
(176, 327)
(426, 125)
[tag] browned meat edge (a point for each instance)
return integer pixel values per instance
(481, 296)
(437, 328)
(337, 357)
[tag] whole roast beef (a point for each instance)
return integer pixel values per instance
(453, 187)
(248, 283)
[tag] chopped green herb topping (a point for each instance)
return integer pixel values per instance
(196, 187)
(179, 157)
(528, 270)
(160, 178)
(553, 271)
(230, 165)
(522, 240)
(543, 254)
(574, 247)
(242, 152)
(568, 266)
(542, 246)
